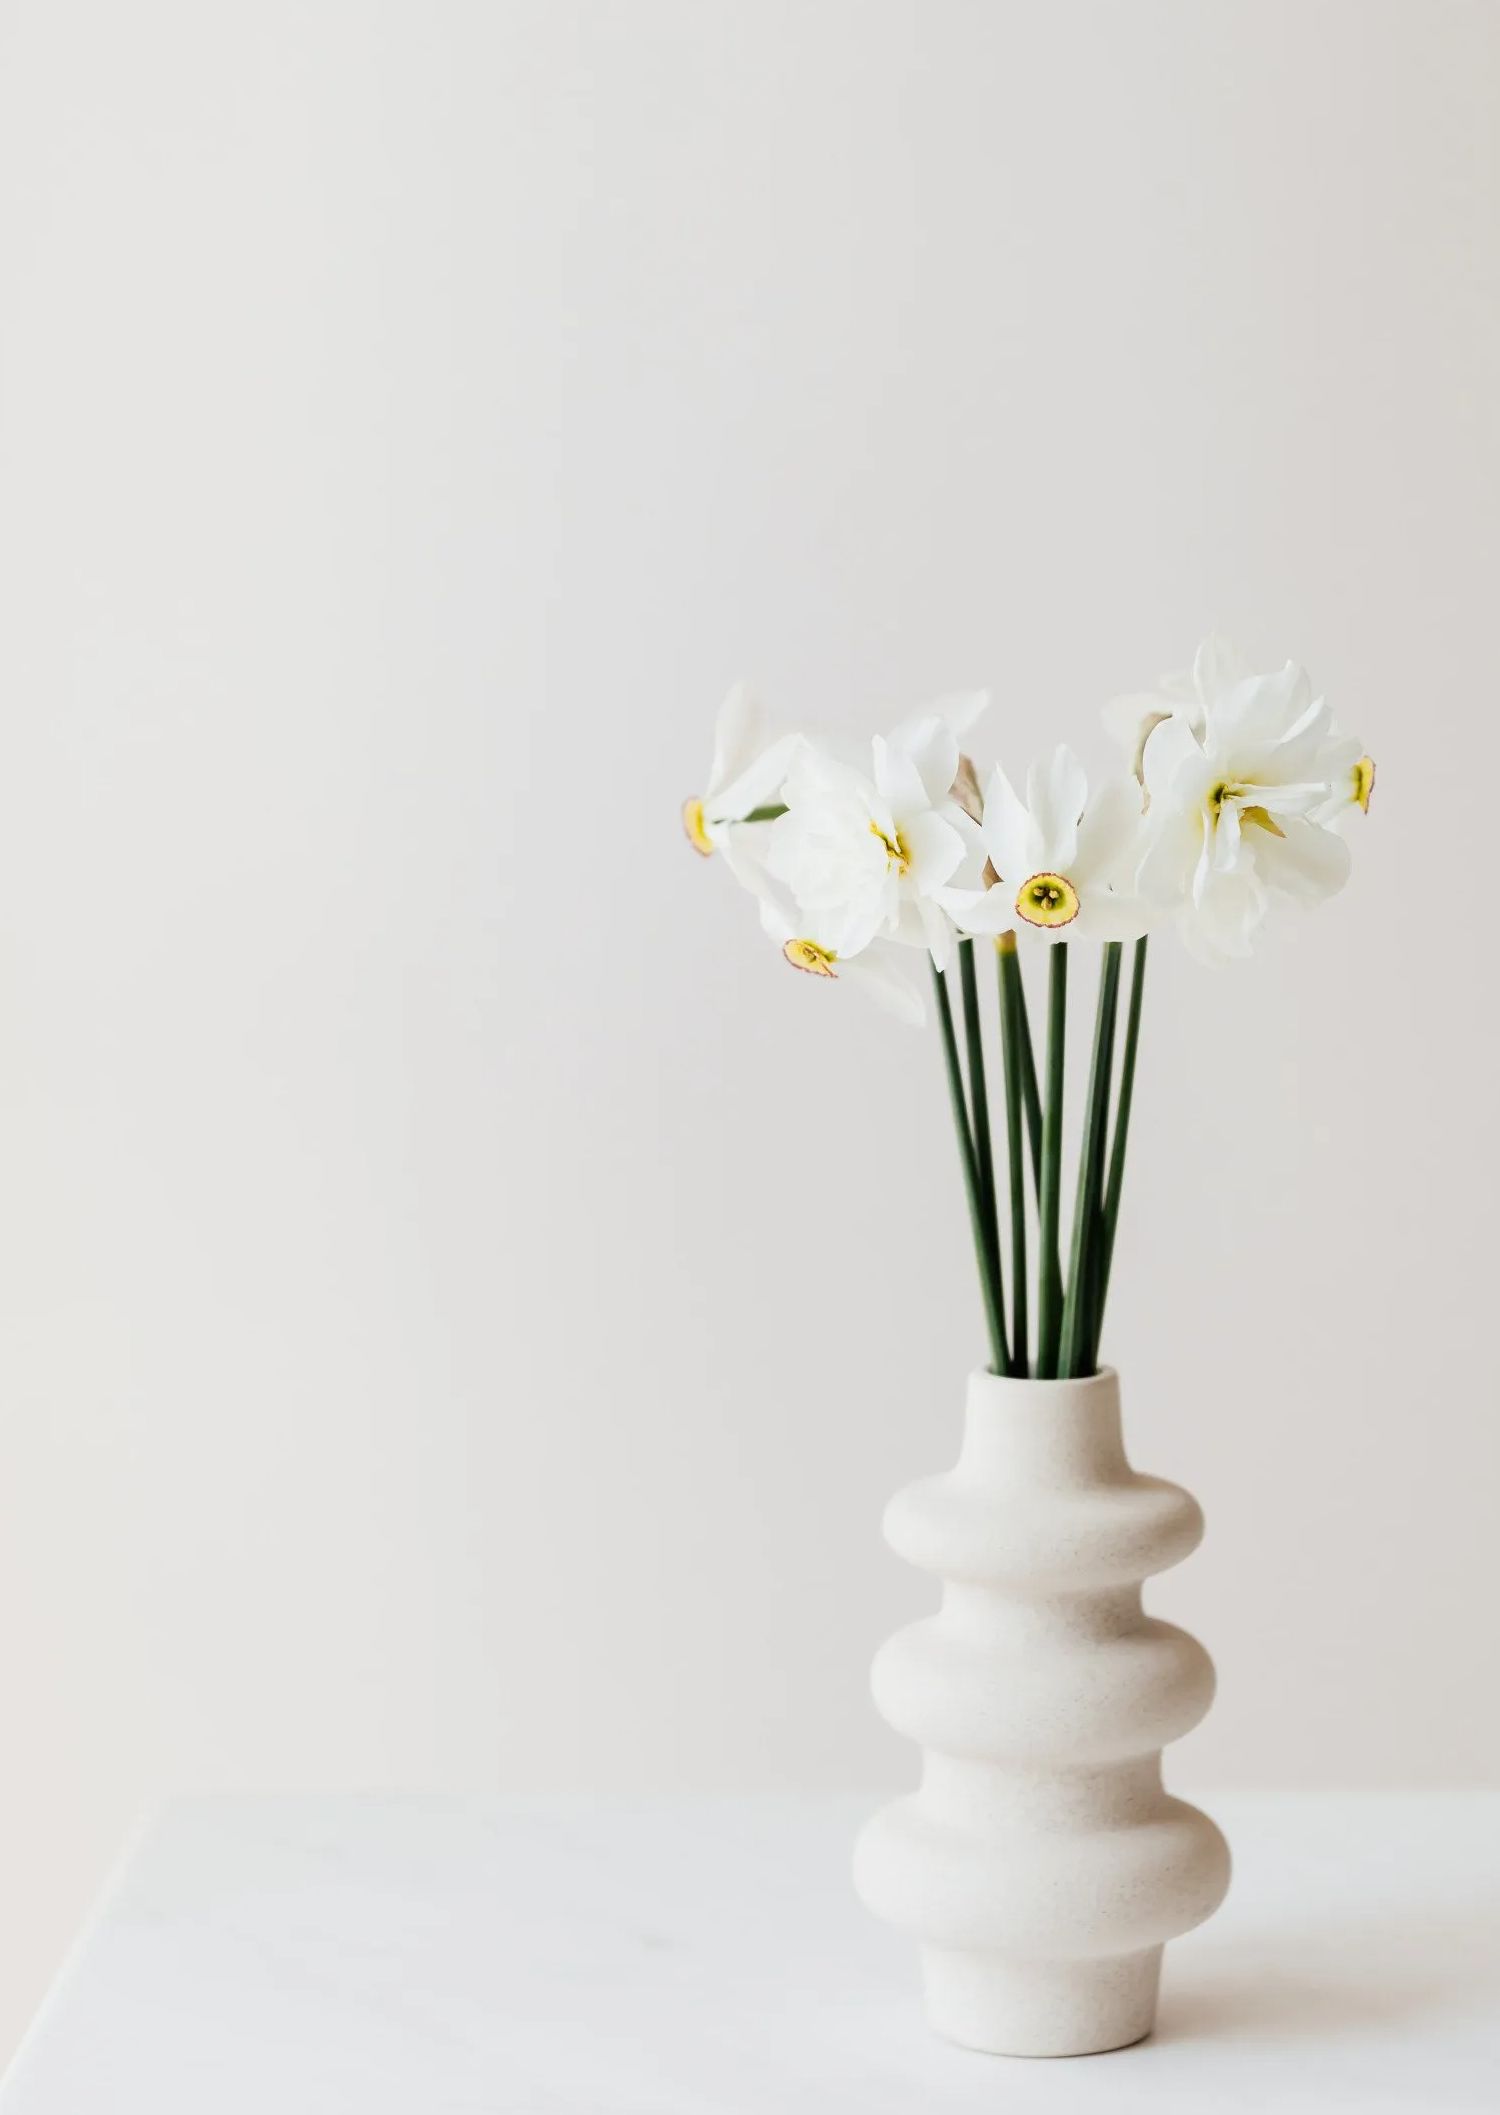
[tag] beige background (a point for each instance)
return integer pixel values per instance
(462, 1303)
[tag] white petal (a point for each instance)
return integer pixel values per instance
(1008, 830)
(908, 929)
(897, 779)
(743, 847)
(1335, 763)
(1173, 842)
(817, 776)
(1304, 862)
(1056, 790)
(1226, 838)
(1203, 872)
(938, 927)
(985, 912)
(1172, 749)
(1297, 753)
(933, 748)
(843, 935)
(737, 734)
(778, 914)
(1287, 800)
(1110, 834)
(1313, 724)
(758, 785)
(1340, 755)
(936, 852)
(784, 845)
(849, 928)
(1253, 713)
(1228, 911)
(969, 873)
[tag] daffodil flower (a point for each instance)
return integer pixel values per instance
(867, 854)
(1237, 789)
(749, 765)
(827, 943)
(1059, 861)
(1232, 793)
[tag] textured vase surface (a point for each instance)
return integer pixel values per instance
(1041, 1866)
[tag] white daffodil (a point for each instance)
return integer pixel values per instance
(749, 766)
(1062, 862)
(825, 943)
(865, 855)
(1231, 792)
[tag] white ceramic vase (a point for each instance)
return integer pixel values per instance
(1041, 1865)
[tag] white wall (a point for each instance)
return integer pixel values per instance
(462, 1303)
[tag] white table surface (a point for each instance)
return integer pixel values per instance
(706, 1957)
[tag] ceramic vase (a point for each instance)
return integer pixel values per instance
(1041, 1866)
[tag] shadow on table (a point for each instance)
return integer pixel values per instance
(1319, 1982)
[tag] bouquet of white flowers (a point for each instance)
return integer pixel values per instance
(1232, 795)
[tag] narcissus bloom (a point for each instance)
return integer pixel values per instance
(1237, 795)
(864, 855)
(1060, 863)
(1232, 790)
(822, 943)
(749, 765)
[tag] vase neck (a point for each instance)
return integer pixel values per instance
(1044, 1433)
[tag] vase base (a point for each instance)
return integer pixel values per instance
(1007, 2007)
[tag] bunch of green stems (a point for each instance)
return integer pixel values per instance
(1071, 1290)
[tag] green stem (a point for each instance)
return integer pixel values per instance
(1095, 1306)
(1049, 1318)
(768, 813)
(1078, 1309)
(994, 1318)
(1010, 965)
(1028, 1079)
(1122, 1131)
(1012, 1003)
(979, 1124)
(1010, 974)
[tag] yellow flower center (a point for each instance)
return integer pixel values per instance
(696, 827)
(897, 851)
(806, 954)
(1048, 900)
(1364, 782)
(1229, 790)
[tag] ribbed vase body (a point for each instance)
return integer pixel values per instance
(1040, 1865)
